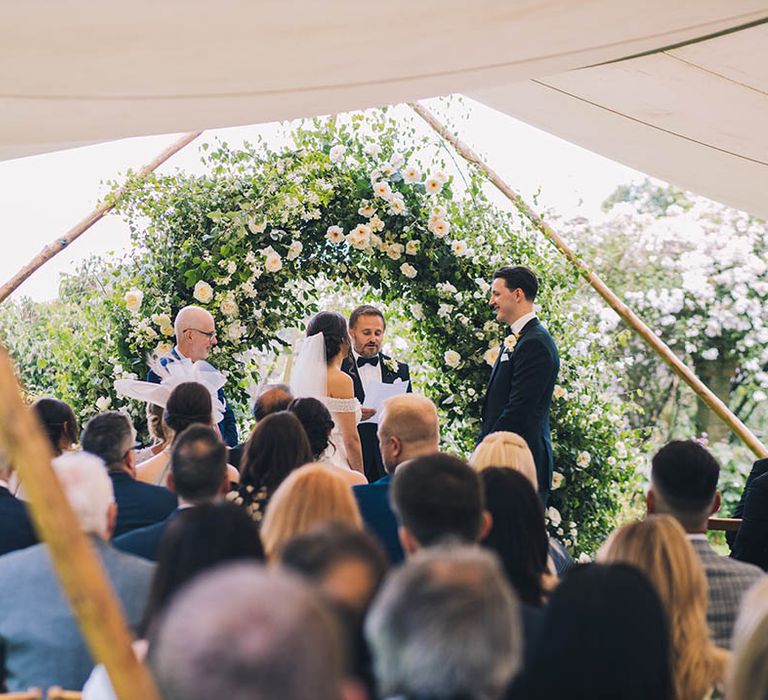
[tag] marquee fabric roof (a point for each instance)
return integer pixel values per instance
(87, 71)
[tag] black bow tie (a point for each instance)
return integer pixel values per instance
(368, 361)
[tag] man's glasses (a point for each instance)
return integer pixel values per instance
(208, 334)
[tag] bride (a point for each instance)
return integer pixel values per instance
(317, 374)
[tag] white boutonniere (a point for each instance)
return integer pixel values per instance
(510, 342)
(392, 364)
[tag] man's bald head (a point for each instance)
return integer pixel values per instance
(195, 332)
(271, 399)
(408, 428)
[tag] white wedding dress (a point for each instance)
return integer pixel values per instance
(309, 379)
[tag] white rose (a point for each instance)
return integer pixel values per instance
(133, 299)
(387, 169)
(337, 153)
(360, 237)
(710, 354)
(335, 234)
(235, 330)
(163, 348)
(439, 212)
(412, 247)
(444, 310)
(273, 263)
(397, 161)
(161, 319)
(294, 250)
(433, 186)
(231, 267)
(382, 189)
(554, 516)
(583, 460)
(228, 306)
(167, 329)
(510, 342)
(459, 248)
(408, 270)
(103, 403)
(395, 250)
(376, 224)
(440, 227)
(557, 480)
(559, 392)
(372, 149)
(256, 227)
(203, 292)
(418, 311)
(491, 355)
(397, 204)
(452, 358)
(412, 174)
(366, 209)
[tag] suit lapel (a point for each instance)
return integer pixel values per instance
(387, 375)
(350, 367)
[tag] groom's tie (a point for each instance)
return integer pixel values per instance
(368, 361)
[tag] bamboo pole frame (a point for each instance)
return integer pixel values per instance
(76, 563)
(56, 246)
(634, 321)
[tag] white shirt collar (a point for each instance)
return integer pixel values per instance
(518, 325)
(181, 355)
(4, 484)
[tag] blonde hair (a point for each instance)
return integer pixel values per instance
(310, 496)
(658, 547)
(410, 417)
(506, 450)
(748, 678)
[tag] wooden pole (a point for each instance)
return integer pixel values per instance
(77, 565)
(55, 247)
(679, 367)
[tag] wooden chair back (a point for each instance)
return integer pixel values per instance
(31, 694)
(56, 693)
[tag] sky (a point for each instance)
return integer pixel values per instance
(42, 197)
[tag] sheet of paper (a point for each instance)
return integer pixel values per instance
(376, 393)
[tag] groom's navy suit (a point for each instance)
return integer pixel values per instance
(372, 463)
(519, 396)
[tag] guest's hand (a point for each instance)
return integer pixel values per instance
(367, 413)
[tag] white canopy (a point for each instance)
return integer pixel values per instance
(87, 71)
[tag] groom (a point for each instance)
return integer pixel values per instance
(366, 363)
(524, 374)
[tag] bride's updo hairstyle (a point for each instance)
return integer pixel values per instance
(333, 326)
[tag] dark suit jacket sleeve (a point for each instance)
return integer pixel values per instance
(228, 425)
(532, 368)
(405, 375)
(751, 544)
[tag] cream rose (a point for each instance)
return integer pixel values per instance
(412, 247)
(452, 358)
(433, 186)
(557, 480)
(395, 251)
(408, 270)
(412, 174)
(133, 299)
(367, 210)
(203, 292)
(583, 460)
(335, 234)
(459, 248)
(418, 311)
(228, 306)
(255, 226)
(273, 263)
(440, 227)
(491, 354)
(235, 330)
(163, 348)
(294, 250)
(382, 189)
(167, 330)
(559, 392)
(337, 153)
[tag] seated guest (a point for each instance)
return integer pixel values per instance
(346, 564)
(16, 530)
(271, 398)
(198, 540)
(110, 436)
(748, 675)
(318, 424)
(39, 638)
(518, 533)
(188, 403)
(444, 626)
(59, 423)
(604, 637)
(751, 541)
(437, 498)
(658, 547)
(407, 428)
(504, 449)
(198, 475)
(277, 446)
(684, 479)
(161, 437)
(247, 633)
(310, 496)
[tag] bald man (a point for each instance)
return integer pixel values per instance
(408, 428)
(195, 337)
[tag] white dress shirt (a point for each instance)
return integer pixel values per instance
(368, 373)
(518, 325)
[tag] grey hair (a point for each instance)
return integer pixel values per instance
(88, 489)
(109, 435)
(243, 632)
(182, 318)
(446, 624)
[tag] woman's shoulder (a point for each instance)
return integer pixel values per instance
(340, 385)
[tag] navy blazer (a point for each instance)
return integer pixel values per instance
(228, 424)
(380, 521)
(139, 504)
(751, 542)
(519, 395)
(144, 542)
(16, 531)
(372, 462)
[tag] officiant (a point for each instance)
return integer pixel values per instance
(366, 364)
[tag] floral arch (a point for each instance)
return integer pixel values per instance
(364, 204)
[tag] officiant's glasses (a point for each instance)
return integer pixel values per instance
(209, 334)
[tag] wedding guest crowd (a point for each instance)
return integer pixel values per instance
(437, 580)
